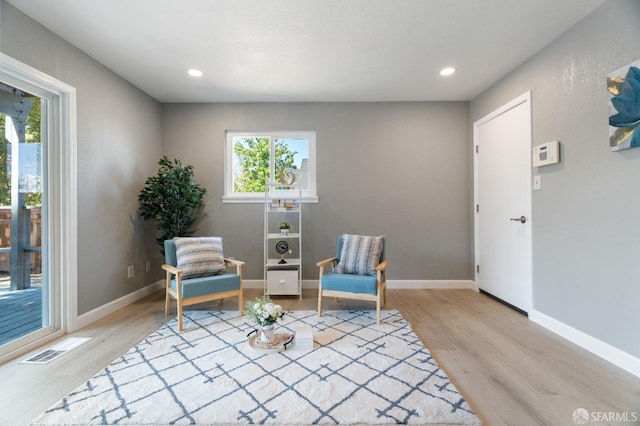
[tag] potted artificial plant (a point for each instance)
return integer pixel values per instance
(172, 200)
(284, 228)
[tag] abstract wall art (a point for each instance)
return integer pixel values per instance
(624, 107)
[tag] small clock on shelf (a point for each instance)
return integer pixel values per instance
(282, 247)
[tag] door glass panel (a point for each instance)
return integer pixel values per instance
(25, 303)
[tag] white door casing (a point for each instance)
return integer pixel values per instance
(502, 175)
(60, 167)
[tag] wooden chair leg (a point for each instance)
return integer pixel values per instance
(319, 302)
(384, 302)
(240, 302)
(378, 309)
(167, 296)
(180, 328)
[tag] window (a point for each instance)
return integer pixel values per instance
(254, 158)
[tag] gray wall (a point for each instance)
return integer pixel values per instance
(400, 169)
(586, 237)
(119, 143)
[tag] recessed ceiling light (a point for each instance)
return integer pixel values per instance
(447, 71)
(194, 72)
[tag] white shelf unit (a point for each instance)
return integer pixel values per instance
(283, 203)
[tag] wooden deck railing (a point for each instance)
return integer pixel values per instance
(30, 259)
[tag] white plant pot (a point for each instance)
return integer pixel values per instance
(267, 334)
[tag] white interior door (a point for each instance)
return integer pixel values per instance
(503, 196)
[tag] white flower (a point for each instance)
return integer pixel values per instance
(264, 311)
(270, 308)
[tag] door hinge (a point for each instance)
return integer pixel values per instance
(478, 269)
(477, 208)
(477, 149)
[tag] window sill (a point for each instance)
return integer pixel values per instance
(306, 199)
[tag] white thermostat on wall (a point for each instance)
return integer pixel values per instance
(547, 153)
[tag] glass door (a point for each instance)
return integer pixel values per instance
(26, 304)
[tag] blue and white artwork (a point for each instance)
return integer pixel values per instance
(624, 107)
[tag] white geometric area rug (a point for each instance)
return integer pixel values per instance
(358, 373)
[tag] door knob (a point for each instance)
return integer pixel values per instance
(521, 219)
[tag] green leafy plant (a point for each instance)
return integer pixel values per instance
(284, 225)
(172, 199)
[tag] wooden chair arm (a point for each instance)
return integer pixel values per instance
(233, 262)
(172, 269)
(237, 263)
(382, 266)
(325, 262)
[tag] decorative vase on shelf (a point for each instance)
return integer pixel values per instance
(267, 334)
(284, 232)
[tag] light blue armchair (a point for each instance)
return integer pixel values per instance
(358, 271)
(218, 284)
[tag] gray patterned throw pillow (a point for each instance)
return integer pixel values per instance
(360, 254)
(199, 256)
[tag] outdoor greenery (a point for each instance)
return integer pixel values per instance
(253, 163)
(32, 135)
(172, 199)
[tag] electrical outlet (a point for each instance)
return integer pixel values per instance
(147, 266)
(130, 271)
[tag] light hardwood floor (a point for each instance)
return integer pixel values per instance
(510, 370)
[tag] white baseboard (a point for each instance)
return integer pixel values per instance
(604, 350)
(104, 310)
(430, 284)
(391, 284)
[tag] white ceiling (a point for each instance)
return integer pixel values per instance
(309, 50)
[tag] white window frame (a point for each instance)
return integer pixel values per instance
(309, 194)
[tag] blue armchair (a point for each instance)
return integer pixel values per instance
(196, 282)
(358, 271)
